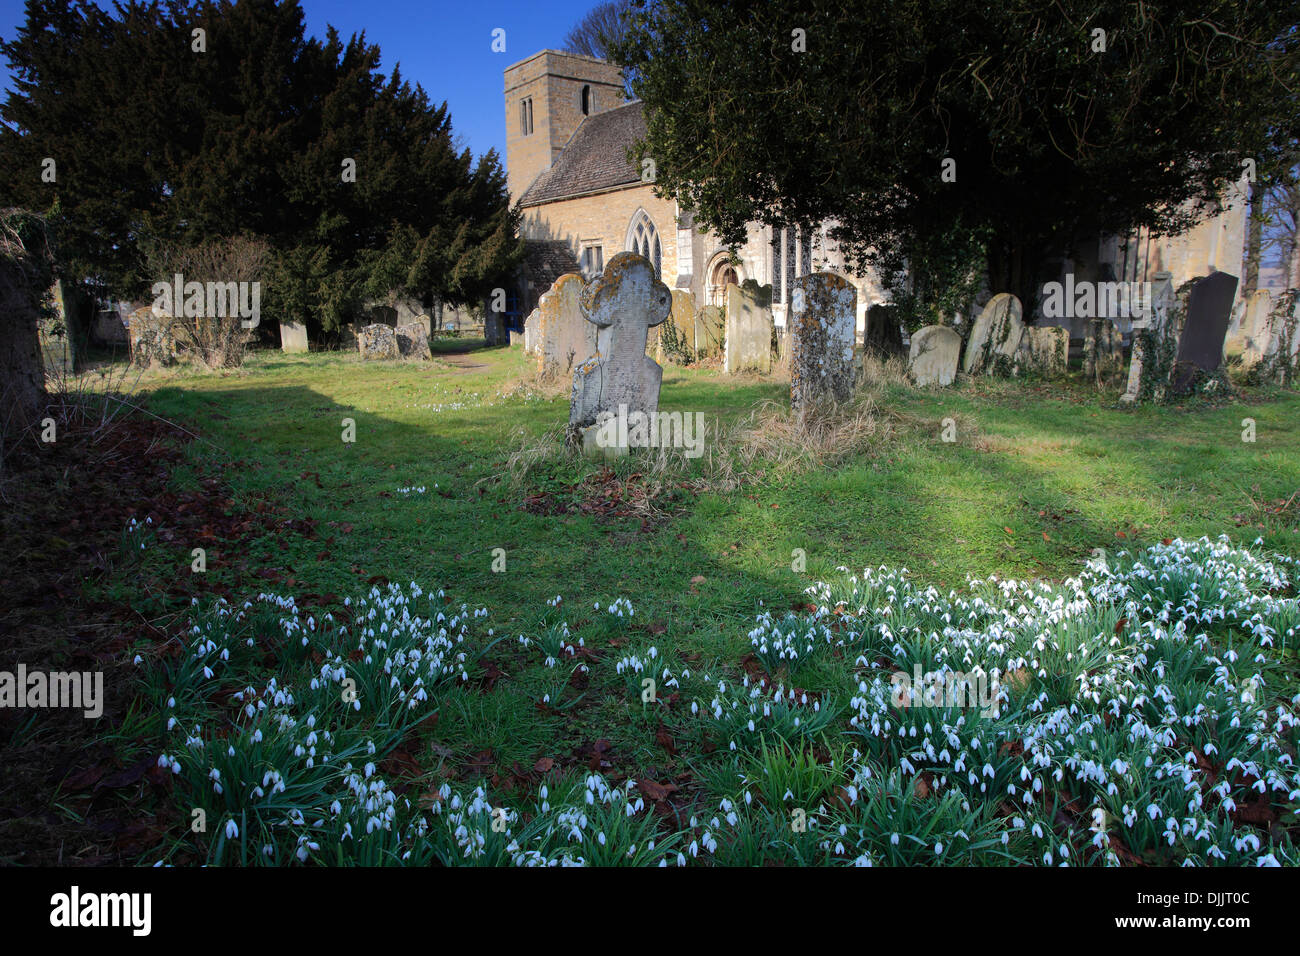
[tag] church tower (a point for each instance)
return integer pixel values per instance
(548, 96)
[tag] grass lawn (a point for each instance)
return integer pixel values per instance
(1037, 477)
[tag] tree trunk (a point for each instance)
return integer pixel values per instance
(22, 375)
(1254, 240)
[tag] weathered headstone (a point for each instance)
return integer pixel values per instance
(1250, 320)
(932, 359)
(882, 333)
(1045, 349)
(377, 341)
(823, 324)
(748, 340)
(675, 341)
(530, 332)
(1278, 342)
(293, 337)
(412, 340)
(623, 303)
(995, 337)
(1155, 340)
(1200, 347)
(565, 338)
(709, 331)
(495, 332)
(1103, 350)
(151, 337)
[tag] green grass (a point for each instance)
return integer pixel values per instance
(1038, 478)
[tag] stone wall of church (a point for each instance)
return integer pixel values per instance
(603, 220)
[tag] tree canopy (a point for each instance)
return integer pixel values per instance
(1055, 121)
(161, 136)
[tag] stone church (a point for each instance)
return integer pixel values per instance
(569, 128)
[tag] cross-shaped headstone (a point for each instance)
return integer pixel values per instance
(624, 303)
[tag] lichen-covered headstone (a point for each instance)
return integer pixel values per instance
(151, 337)
(1044, 350)
(995, 337)
(932, 359)
(377, 341)
(623, 303)
(1103, 350)
(565, 338)
(412, 340)
(823, 325)
(748, 337)
(293, 336)
(709, 331)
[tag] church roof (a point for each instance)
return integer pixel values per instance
(594, 159)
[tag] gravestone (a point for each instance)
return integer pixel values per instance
(1278, 343)
(709, 330)
(530, 332)
(623, 303)
(932, 359)
(377, 341)
(995, 337)
(109, 327)
(293, 337)
(495, 332)
(675, 339)
(412, 341)
(1045, 349)
(151, 338)
(565, 338)
(1249, 324)
(1200, 347)
(1103, 350)
(748, 337)
(883, 334)
(348, 337)
(1155, 340)
(823, 326)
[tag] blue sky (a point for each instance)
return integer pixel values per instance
(444, 46)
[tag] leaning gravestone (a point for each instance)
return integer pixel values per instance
(709, 330)
(933, 356)
(620, 380)
(748, 337)
(293, 337)
(412, 340)
(377, 341)
(565, 338)
(823, 322)
(1045, 349)
(1200, 347)
(995, 337)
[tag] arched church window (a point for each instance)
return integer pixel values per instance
(643, 239)
(586, 100)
